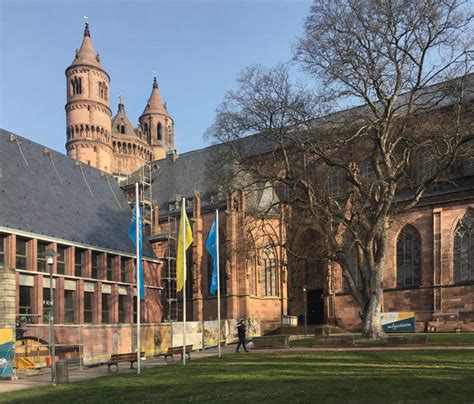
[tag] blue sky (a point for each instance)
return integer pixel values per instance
(197, 48)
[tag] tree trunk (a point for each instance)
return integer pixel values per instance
(372, 328)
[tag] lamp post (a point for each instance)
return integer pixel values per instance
(305, 312)
(50, 254)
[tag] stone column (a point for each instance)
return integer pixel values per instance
(8, 300)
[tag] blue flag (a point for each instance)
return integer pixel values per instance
(132, 235)
(211, 247)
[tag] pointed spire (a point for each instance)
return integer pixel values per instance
(86, 28)
(155, 103)
(86, 53)
(121, 105)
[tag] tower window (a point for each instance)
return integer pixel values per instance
(145, 128)
(103, 90)
(76, 85)
(159, 131)
(122, 129)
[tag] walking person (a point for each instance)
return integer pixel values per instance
(241, 330)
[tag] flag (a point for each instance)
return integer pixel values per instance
(187, 236)
(211, 247)
(132, 235)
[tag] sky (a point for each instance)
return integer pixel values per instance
(197, 48)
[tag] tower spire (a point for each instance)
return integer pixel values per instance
(155, 81)
(86, 26)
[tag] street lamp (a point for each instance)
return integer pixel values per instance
(49, 254)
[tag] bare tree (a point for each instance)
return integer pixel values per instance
(348, 174)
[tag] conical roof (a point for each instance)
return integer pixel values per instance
(155, 104)
(120, 123)
(87, 55)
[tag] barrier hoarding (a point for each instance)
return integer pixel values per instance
(7, 344)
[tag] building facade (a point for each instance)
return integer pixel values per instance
(52, 201)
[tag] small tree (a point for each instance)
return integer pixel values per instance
(349, 174)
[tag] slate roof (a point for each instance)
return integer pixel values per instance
(46, 193)
(196, 170)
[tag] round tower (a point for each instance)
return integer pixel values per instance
(157, 124)
(88, 114)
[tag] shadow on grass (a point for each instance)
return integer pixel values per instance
(321, 377)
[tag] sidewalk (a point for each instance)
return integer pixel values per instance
(43, 376)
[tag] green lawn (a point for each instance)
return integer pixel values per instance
(434, 339)
(434, 376)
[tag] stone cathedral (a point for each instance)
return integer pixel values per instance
(97, 137)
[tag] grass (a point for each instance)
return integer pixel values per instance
(433, 339)
(434, 376)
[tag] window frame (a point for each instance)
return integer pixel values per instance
(20, 257)
(409, 248)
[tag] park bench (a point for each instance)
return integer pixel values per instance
(177, 350)
(115, 359)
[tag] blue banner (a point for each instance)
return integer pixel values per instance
(211, 247)
(132, 235)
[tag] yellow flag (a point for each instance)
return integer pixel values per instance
(185, 239)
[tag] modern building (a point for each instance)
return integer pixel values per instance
(49, 200)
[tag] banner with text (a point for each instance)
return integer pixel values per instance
(398, 321)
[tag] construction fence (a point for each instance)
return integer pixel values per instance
(85, 345)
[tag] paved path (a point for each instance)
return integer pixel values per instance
(43, 377)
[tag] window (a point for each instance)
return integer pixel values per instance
(335, 183)
(78, 261)
(463, 249)
(95, 265)
(269, 284)
(124, 264)
(110, 267)
(26, 301)
(145, 128)
(21, 253)
(408, 257)
(69, 306)
(121, 308)
(122, 129)
(103, 90)
(2, 249)
(105, 308)
(351, 258)
(61, 260)
(252, 268)
(47, 303)
(88, 304)
(159, 131)
(76, 85)
(368, 174)
(41, 259)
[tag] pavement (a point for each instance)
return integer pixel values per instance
(43, 376)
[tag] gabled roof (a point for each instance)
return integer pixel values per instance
(47, 193)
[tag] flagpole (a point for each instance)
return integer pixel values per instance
(218, 287)
(183, 224)
(138, 223)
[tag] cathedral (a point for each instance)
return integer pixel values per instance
(97, 137)
(258, 279)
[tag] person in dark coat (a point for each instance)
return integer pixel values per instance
(241, 330)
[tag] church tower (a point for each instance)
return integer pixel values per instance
(88, 114)
(157, 124)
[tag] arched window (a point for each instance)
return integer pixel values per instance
(463, 249)
(102, 90)
(122, 129)
(76, 85)
(159, 131)
(145, 128)
(408, 257)
(269, 282)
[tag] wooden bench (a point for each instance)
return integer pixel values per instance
(177, 350)
(115, 359)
